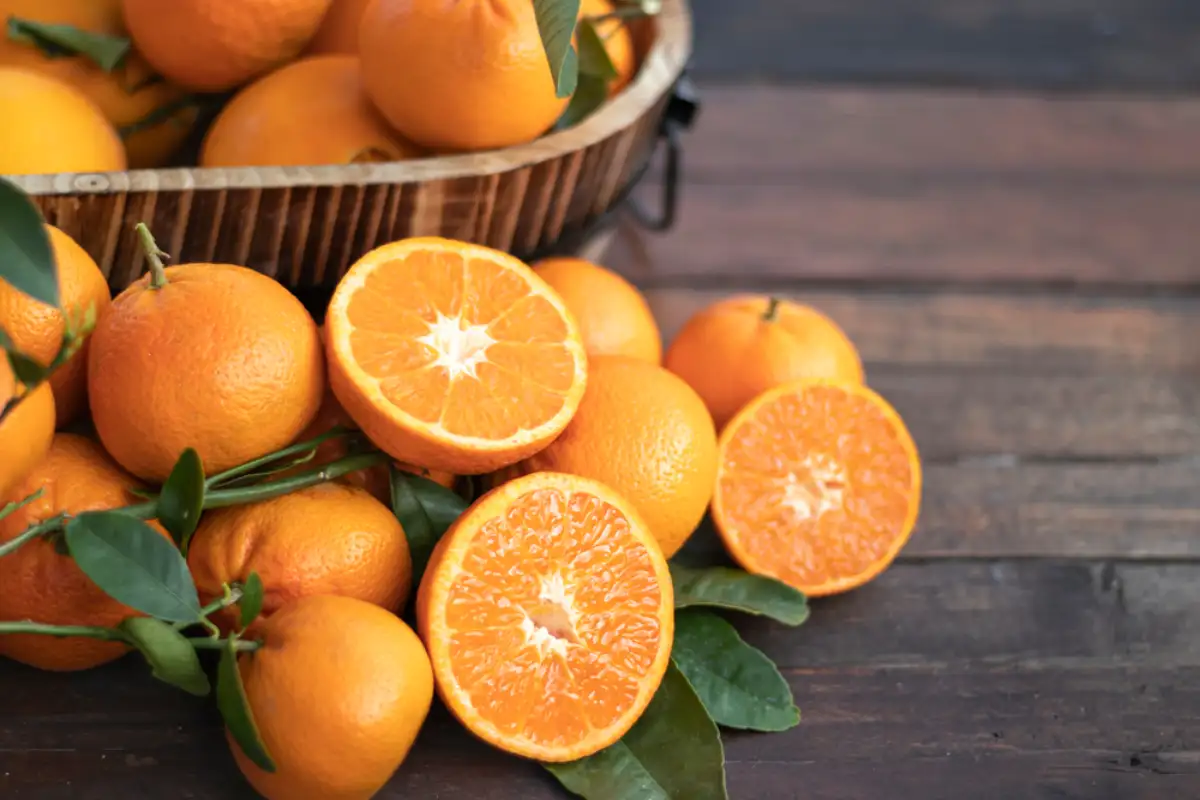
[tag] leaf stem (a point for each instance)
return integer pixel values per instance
(154, 256)
(241, 645)
(63, 631)
(295, 449)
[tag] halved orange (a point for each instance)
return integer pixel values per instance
(453, 356)
(818, 485)
(548, 613)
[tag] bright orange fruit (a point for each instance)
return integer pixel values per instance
(25, 433)
(548, 613)
(618, 41)
(339, 28)
(453, 356)
(818, 485)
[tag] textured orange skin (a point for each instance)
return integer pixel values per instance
(618, 41)
(339, 689)
(309, 112)
(458, 76)
(126, 95)
(44, 586)
(25, 434)
(222, 359)
(729, 354)
(339, 29)
(326, 539)
(37, 328)
(216, 45)
(645, 433)
(614, 318)
(50, 126)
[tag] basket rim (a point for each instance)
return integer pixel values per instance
(660, 69)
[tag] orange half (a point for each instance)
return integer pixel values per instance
(453, 356)
(548, 613)
(818, 485)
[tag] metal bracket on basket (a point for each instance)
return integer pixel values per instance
(682, 109)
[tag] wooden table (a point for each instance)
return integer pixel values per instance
(1020, 268)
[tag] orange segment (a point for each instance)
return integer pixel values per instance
(548, 613)
(453, 356)
(818, 485)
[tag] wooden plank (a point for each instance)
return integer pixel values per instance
(1060, 44)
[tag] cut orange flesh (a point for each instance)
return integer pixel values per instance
(818, 485)
(453, 356)
(548, 613)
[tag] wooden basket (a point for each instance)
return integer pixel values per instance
(304, 226)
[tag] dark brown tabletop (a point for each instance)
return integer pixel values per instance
(1000, 202)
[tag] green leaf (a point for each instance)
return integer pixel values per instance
(28, 371)
(235, 709)
(252, 600)
(26, 259)
(738, 684)
(182, 498)
(133, 564)
(735, 590)
(171, 657)
(59, 41)
(591, 93)
(593, 55)
(673, 752)
(426, 510)
(556, 24)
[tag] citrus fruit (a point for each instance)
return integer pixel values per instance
(339, 689)
(453, 356)
(645, 433)
(25, 432)
(617, 40)
(37, 328)
(50, 126)
(156, 115)
(739, 347)
(43, 585)
(326, 539)
(219, 358)
(309, 112)
(458, 76)
(614, 319)
(339, 28)
(818, 485)
(548, 612)
(216, 45)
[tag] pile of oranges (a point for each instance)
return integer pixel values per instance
(545, 615)
(105, 85)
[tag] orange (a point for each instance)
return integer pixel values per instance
(339, 690)
(818, 485)
(310, 112)
(458, 76)
(339, 29)
(645, 433)
(221, 358)
(618, 41)
(548, 612)
(43, 585)
(326, 539)
(131, 95)
(50, 126)
(216, 45)
(614, 319)
(739, 347)
(453, 356)
(37, 328)
(25, 432)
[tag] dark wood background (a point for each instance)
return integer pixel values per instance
(1000, 201)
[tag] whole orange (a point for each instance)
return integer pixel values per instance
(309, 112)
(37, 328)
(216, 45)
(339, 29)
(614, 319)
(131, 96)
(25, 432)
(339, 689)
(458, 76)
(219, 358)
(43, 585)
(618, 41)
(646, 434)
(739, 347)
(50, 126)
